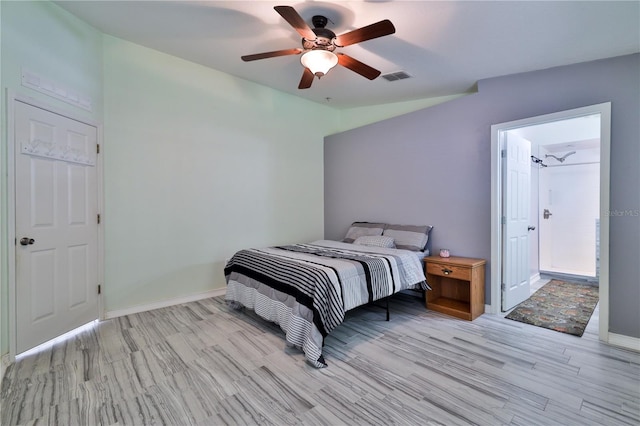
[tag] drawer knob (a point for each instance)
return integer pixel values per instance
(446, 271)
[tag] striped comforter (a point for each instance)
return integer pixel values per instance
(307, 288)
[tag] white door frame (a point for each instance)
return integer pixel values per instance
(12, 98)
(497, 141)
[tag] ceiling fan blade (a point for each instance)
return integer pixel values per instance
(357, 66)
(369, 32)
(273, 54)
(295, 20)
(306, 80)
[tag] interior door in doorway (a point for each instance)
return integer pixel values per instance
(56, 225)
(570, 194)
(516, 199)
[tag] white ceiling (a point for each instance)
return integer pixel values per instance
(446, 46)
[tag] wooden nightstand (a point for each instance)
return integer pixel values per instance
(457, 286)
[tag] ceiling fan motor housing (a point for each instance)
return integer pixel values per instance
(319, 21)
(324, 36)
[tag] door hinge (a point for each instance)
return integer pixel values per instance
(99, 289)
(504, 220)
(98, 218)
(97, 148)
(503, 153)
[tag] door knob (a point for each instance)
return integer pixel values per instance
(531, 228)
(24, 241)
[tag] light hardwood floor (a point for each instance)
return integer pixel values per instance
(204, 363)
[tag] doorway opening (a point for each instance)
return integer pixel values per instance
(565, 198)
(557, 184)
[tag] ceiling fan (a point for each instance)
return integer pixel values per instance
(319, 44)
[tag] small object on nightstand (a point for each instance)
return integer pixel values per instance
(444, 253)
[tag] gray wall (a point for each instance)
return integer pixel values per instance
(433, 166)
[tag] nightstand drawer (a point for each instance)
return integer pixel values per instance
(461, 273)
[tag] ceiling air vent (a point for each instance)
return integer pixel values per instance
(395, 76)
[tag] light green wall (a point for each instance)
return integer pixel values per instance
(47, 40)
(199, 164)
(44, 39)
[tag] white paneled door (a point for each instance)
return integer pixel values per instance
(56, 225)
(516, 201)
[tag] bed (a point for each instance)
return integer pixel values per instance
(307, 288)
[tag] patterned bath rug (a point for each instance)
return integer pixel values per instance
(559, 305)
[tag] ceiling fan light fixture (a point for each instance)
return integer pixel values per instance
(319, 61)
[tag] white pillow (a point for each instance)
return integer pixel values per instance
(360, 229)
(409, 237)
(375, 241)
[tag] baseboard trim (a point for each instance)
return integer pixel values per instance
(625, 342)
(164, 303)
(535, 277)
